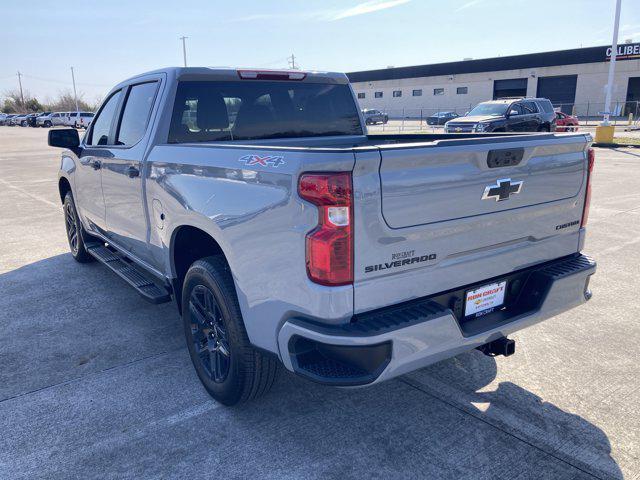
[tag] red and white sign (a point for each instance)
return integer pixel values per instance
(484, 298)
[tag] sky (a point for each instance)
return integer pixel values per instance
(110, 40)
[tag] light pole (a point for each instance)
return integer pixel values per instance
(605, 131)
(184, 50)
(612, 65)
(75, 94)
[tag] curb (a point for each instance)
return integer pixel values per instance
(614, 145)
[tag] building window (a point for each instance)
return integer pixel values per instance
(378, 95)
(438, 91)
(397, 93)
(417, 93)
(361, 95)
(462, 90)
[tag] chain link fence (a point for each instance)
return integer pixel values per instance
(623, 113)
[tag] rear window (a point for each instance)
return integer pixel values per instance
(206, 111)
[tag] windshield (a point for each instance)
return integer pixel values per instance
(489, 109)
(207, 111)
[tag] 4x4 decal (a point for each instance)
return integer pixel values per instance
(262, 160)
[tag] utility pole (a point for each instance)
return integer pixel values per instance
(75, 94)
(612, 65)
(184, 50)
(21, 94)
(292, 62)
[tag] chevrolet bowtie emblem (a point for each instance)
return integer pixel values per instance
(502, 190)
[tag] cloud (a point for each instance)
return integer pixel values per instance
(368, 7)
(468, 5)
(327, 15)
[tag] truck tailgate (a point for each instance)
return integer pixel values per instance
(453, 213)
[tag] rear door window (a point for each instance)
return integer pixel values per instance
(101, 130)
(249, 110)
(135, 116)
(529, 108)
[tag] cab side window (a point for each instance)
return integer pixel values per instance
(101, 128)
(135, 116)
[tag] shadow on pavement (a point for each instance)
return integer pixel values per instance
(61, 322)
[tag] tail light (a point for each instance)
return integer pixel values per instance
(329, 246)
(591, 158)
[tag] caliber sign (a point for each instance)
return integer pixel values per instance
(627, 51)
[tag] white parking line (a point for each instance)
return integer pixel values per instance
(28, 194)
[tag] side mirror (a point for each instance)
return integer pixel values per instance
(64, 138)
(513, 113)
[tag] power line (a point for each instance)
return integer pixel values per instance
(62, 82)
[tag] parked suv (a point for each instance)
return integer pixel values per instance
(372, 117)
(507, 115)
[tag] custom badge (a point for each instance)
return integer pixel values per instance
(262, 160)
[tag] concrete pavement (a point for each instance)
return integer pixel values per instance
(96, 383)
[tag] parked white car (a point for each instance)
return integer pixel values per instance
(80, 119)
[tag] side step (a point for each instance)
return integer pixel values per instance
(141, 281)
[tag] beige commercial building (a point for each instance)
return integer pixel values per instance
(574, 80)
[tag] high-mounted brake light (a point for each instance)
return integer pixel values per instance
(271, 75)
(329, 246)
(591, 158)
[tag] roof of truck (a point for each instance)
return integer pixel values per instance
(230, 74)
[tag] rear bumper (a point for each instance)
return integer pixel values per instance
(388, 342)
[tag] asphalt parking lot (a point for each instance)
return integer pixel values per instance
(96, 383)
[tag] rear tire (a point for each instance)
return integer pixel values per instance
(76, 235)
(544, 128)
(229, 368)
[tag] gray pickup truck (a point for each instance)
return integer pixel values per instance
(285, 234)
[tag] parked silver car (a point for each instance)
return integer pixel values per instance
(51, 120)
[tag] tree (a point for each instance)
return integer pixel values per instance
(8, 106)
(66, 102)
(13, 101)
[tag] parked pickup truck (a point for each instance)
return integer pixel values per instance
(285, 234)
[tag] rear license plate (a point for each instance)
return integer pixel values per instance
(485, 299)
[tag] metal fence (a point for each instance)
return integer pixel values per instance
(623, 113)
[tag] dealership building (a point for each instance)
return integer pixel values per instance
(574, 80)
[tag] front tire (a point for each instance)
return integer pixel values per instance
(230, 369)
(75, 233)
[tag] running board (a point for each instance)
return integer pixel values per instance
(141, 281)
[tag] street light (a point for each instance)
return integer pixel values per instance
(605, 131)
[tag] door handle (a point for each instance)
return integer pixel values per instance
(95, 164)
(132, 171)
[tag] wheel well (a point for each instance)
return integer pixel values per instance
(190, 244)
(63, 186)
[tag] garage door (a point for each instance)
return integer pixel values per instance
(561, 90)
(633, 96)
(512, 87)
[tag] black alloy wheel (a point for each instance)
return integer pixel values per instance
(209, 334)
